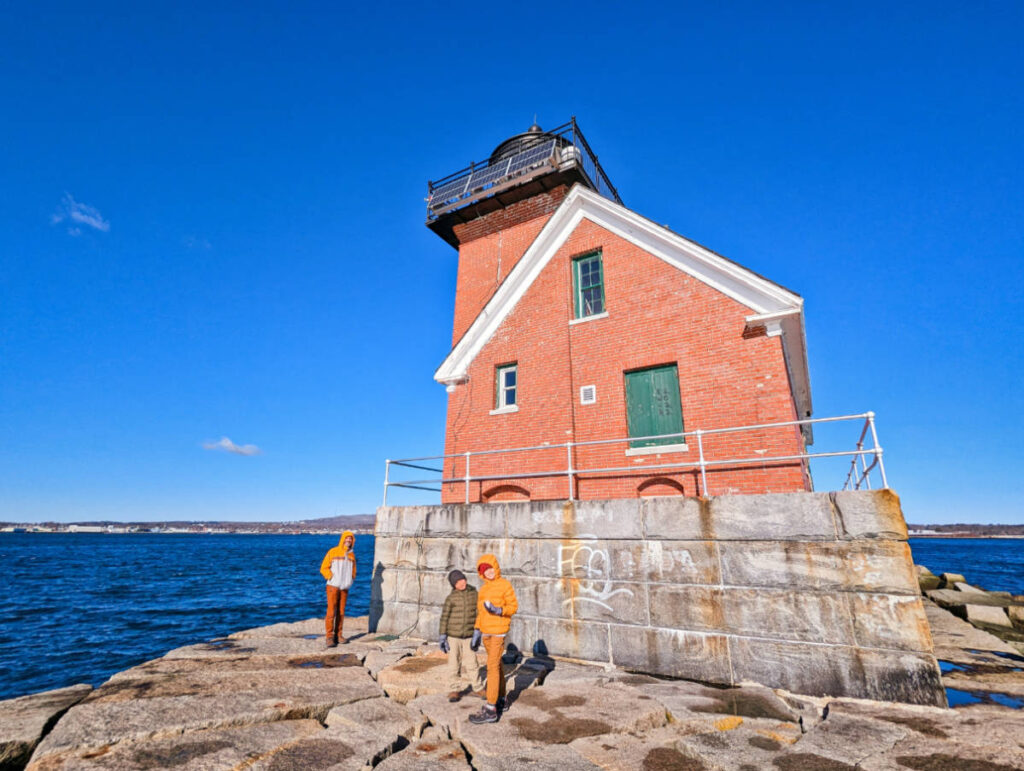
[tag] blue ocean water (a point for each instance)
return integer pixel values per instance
(78, 607)
(996, 564)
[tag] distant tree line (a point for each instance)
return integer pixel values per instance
(975, 529)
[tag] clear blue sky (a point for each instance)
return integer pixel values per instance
(211, 225)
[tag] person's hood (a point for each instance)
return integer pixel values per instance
(345, 535)
(491, 560)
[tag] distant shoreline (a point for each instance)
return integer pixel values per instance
(967, 536)
(334, 533)
(369, 531)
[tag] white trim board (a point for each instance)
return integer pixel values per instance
(772, 306)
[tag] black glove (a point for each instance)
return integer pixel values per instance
(475, 642)
(442, 642)
(492, 608)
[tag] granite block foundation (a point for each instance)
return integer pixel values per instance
(812, 592)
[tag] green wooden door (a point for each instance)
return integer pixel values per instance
(652, 405)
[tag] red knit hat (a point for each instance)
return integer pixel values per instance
(483, 567)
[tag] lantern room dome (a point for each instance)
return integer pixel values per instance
(516, 144)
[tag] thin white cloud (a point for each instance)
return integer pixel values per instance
(79, 213)
(226, 445)
(192, 242)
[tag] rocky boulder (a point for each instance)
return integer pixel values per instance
(24, 721)
(926, 579)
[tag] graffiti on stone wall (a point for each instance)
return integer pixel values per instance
(590, 565)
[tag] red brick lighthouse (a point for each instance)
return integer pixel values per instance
(597, 354)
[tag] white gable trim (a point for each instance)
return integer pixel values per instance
(772, 306)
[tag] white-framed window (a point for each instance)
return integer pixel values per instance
(507, 387)
(588, 285)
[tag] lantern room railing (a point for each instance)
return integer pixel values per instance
(560, 149)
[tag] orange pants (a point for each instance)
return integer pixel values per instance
(336, 599)
(494, 644)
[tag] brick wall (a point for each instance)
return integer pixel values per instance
(490, 246)
(656, 315)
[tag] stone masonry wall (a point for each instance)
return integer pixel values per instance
(812, 592)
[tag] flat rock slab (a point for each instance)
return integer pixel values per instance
(752, 701)
(324, 752)
(951, 635)
(554, 756)
(24, 720)
(977, 738)
(979, 726)
(658, 749)
(841, 739)
(163, 705)
(739, 742)
(916, 752)
(703, 744)
(333, 659)
(375, 661)
(211, 750)
(354, 626)
(551, 715)
(414, 676)
(984, 673)
(428, 755)
(343, 746)
(251, 646)
(385, 716)
(987, 614)
(955, 598)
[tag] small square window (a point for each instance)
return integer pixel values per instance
(588, 285)
(588, 394)
(507, 382)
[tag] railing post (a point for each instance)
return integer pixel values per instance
(467, 477)
(866, 475)
(703, 468)
(878, 450)
(387, 473)
(568, 465)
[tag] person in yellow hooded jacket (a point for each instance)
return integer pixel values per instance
(339, 569)
(495, 605)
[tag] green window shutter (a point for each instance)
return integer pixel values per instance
(588, 285)
(576, 287)
(653, 406)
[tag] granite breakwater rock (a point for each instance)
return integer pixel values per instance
(275, 698)
(1000, 613)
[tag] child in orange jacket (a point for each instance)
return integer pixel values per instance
(339, 568)
(495, 606)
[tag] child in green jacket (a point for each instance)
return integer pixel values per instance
(458, 617)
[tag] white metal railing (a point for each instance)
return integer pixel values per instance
(855, 478)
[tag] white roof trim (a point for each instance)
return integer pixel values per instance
(770, 303)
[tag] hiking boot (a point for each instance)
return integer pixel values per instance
(342, 641)
(331, 642)
(486, 715)
(454, 696)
